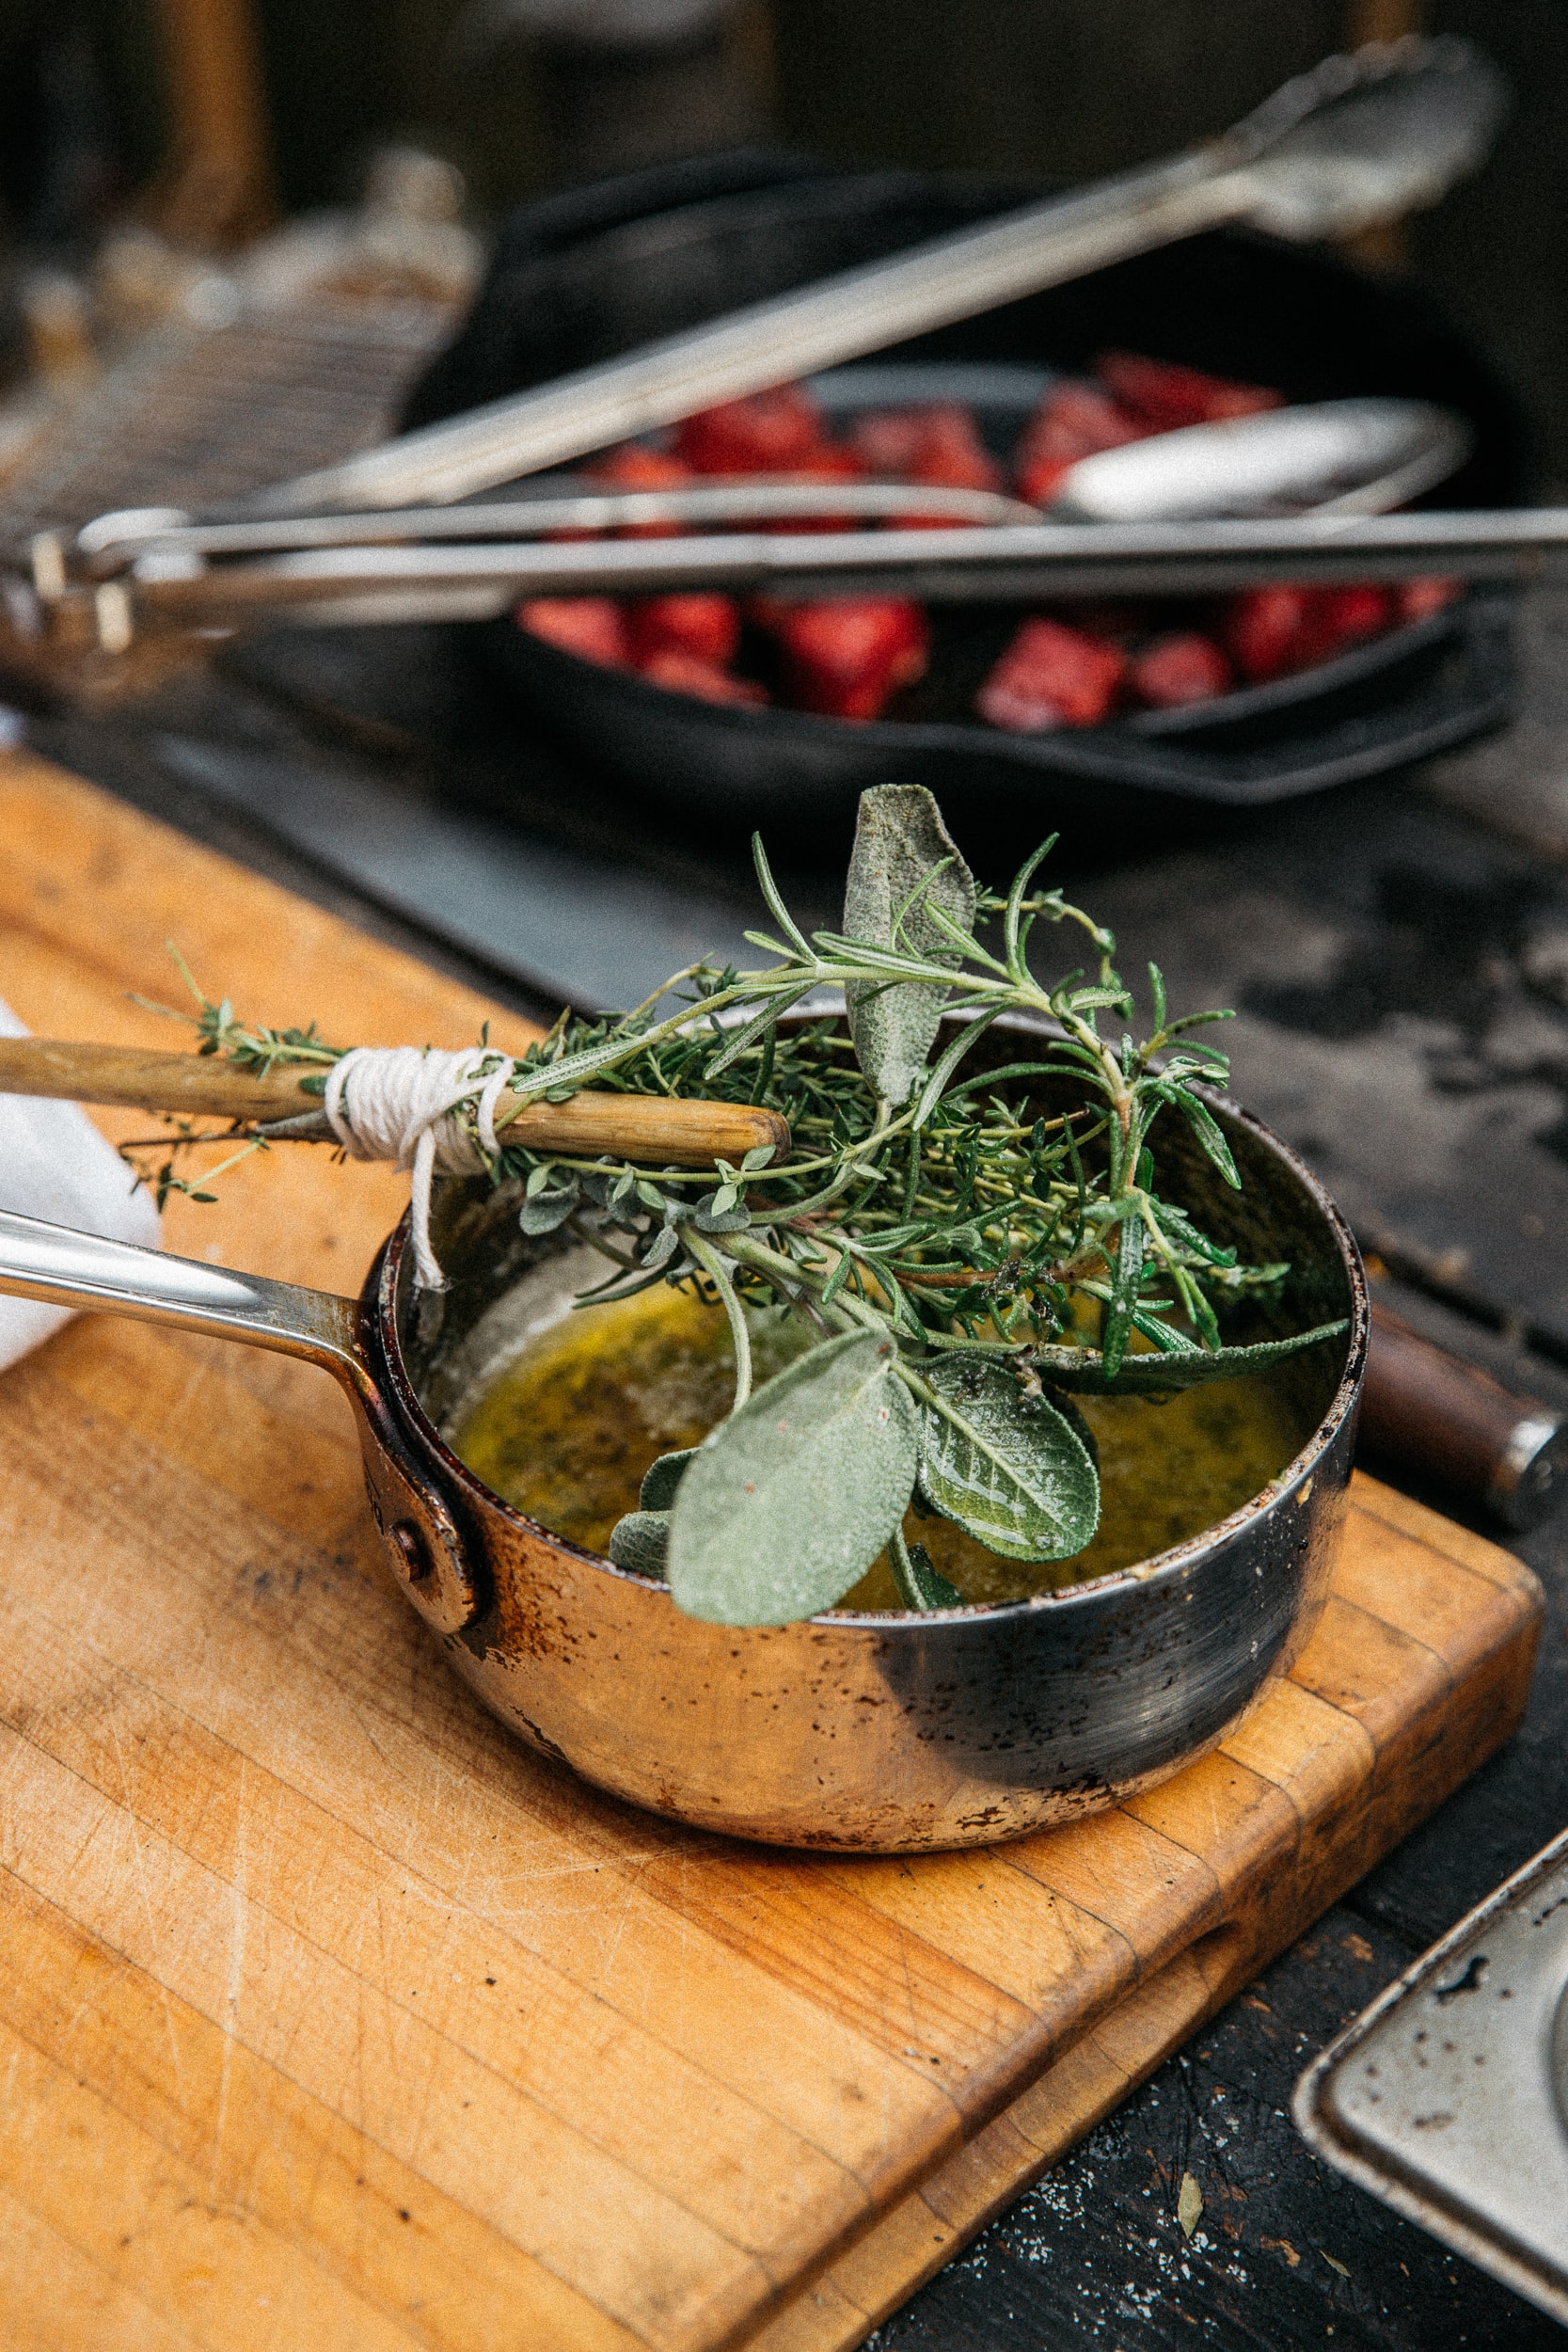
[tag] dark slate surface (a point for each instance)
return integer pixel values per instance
(1399, 969)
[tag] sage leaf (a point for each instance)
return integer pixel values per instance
(789, 1502)
(899, 840)
(661, 1249)
(661, 1478)
(1083, 1370)
(639, 1542)
(710, 1218)
(545, 1210)
(921, 1584)
(1017, 1474)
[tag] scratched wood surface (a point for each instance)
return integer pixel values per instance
(328, 2016)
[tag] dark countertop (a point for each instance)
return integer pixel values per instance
(1398, 955)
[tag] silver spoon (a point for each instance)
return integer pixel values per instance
(1333, 458)
(1360, 139)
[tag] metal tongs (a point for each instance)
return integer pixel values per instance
(1360, 139)
(134, 576)
(968, 565)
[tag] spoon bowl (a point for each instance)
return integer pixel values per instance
(1332, 457)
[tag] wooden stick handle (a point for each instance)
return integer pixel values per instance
(633, 1126)
(1429, 1412)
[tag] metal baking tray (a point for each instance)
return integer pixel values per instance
(1449, 2097)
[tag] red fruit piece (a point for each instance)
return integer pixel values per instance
(889, 440)
(703, 626)
(940, 444)
(1271, 631)
(771, 433)
(684, 673)
(635, 468)
(1167, 396)
(1052, 676)
(1074, 420)
(847, 658)
(1344, 616)
(1179, 670)
(828, 461)
(593, 628)
(1418, 600)
(1266, 630)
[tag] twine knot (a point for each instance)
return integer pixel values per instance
(395, 1103)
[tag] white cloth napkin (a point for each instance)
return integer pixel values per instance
(54, 1163)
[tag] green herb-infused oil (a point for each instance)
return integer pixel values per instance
(565, 1430)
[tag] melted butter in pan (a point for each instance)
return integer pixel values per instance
(565, 1430)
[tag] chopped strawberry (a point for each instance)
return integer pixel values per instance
(636, 468)
(828, 461)
(1418, 600)
(1266, 632)
(1344, 616)
(1052, 676)
(1179, 670)
(593, 628)
(1167, 396)
(889, 440)
(685, 673)
(706, 628)
(1271, 631)
(1074, 420)
(941, 445)
(771, 433)
(955, 458)
(847, 658)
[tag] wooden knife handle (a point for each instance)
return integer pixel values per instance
(1425, 1411)
(646, 1127)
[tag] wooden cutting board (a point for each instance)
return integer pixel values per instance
(329, 2016)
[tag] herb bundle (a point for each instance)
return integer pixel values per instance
(961, 1267)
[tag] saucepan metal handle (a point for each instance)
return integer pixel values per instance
(66, 1268)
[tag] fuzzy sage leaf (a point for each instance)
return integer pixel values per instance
(1015, 1472)
(893, 889)
(661, 1479)
(640, 1539)
(921, 1584)
(639, 1542)
(789, 1501)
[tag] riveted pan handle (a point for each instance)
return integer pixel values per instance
(67, 1268)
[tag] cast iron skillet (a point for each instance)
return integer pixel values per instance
(582, 277)
(861, 1733)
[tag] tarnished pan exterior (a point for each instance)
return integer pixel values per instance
(882, 1732)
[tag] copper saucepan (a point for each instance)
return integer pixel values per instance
(854, 1732)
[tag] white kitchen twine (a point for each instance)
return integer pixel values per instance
(395, 1103)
